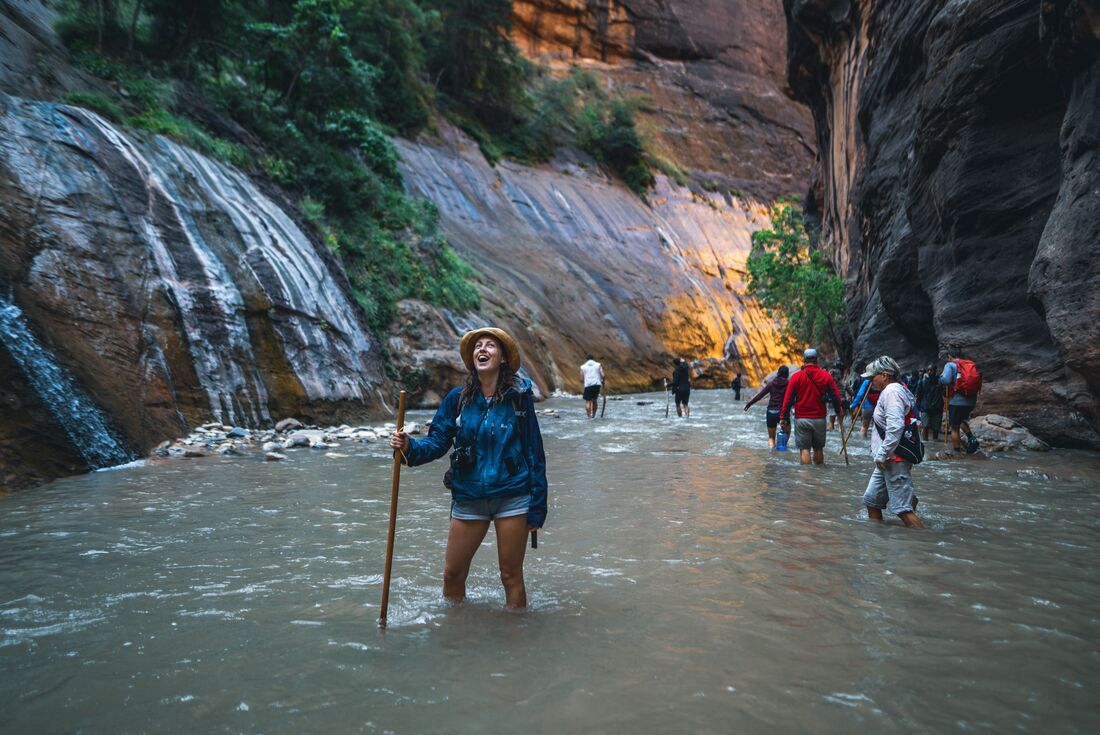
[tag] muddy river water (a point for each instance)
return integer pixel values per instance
(688, 580)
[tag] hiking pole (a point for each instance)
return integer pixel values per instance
(393, 515)
(946, 415)
(844, 441)
(603, 406)
(666, 399)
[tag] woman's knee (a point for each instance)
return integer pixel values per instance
(510, 575)
(455, 574)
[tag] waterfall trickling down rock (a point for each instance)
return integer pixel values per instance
(176, 289)
(87, 427)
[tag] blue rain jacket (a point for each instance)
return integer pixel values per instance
(507, 461)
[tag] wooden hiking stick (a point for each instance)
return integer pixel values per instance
(393, 515)
(844, 440)
(666, 399)
(844, 443)
(603, 405)
(946, 414)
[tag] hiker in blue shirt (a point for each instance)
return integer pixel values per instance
(498, 467)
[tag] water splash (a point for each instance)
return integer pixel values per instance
(84, 423)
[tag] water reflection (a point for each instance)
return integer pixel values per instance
(687, 580)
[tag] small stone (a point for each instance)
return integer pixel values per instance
(193, 453)
(288, 425)
(271, 447)
(297, 440)
(237, 432)
(229, 452)
(411, 427)
(274, 457)
(368, 436)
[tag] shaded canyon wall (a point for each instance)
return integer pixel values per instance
(957, 188)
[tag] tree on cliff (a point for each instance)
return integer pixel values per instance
(794, 281)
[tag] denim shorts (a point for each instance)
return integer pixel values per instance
(891, 488)
(487, 509)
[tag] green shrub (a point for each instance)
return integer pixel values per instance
(96, 102)
(794, 281)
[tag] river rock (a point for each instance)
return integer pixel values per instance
(1001, 434)
(237, 432)
(411, 427)
(271, 447)
(288, 425)
(193, 453)
(274, 457)
(229, 452)
(297, 440)
(367, 436)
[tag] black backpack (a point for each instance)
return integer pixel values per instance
(910, 447)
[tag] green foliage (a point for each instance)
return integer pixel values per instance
(96, 102)
(609, 134)
(794, 281)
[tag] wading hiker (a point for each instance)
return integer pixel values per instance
(930, 401)
(964, 383)
(681, 386)
(498, 468)
(869, 397)
(806, 392)
(891, 484)
(775, 389)
(735, 386)
(592, 375)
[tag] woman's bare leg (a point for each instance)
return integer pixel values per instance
(463, 540)
(511, 548)
(771, 437)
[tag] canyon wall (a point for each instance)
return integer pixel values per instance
(574, 263)
(956, 188)
(170, 286)
(173, 290)
(716, 102)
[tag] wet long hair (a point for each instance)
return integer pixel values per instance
(505, 379)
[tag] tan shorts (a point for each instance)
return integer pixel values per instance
(809, 433)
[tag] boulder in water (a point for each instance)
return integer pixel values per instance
(271, 446)
(1001, 434)
(411, 427)
(274, 457)
(193, 453)
(237, 432)
(297, 440)
(288, 425)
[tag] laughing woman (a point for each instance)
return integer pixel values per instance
(498, 467)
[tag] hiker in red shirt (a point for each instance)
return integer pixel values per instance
(806, 393)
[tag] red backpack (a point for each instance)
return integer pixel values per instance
(968, 382)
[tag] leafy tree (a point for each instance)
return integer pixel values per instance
(794, 281)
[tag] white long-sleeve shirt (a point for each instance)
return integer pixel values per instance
(891, 413)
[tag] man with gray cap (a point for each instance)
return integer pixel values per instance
(806, 393)
(891, 485)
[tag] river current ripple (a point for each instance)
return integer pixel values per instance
(688, 580)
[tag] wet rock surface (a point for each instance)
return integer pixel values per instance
(1001, 434)
(956, 189)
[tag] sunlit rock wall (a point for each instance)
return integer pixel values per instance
(577, 264)
(957, 189)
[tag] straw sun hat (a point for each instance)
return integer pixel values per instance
(511, 349)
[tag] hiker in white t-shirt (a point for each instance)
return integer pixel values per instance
(592, 375)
